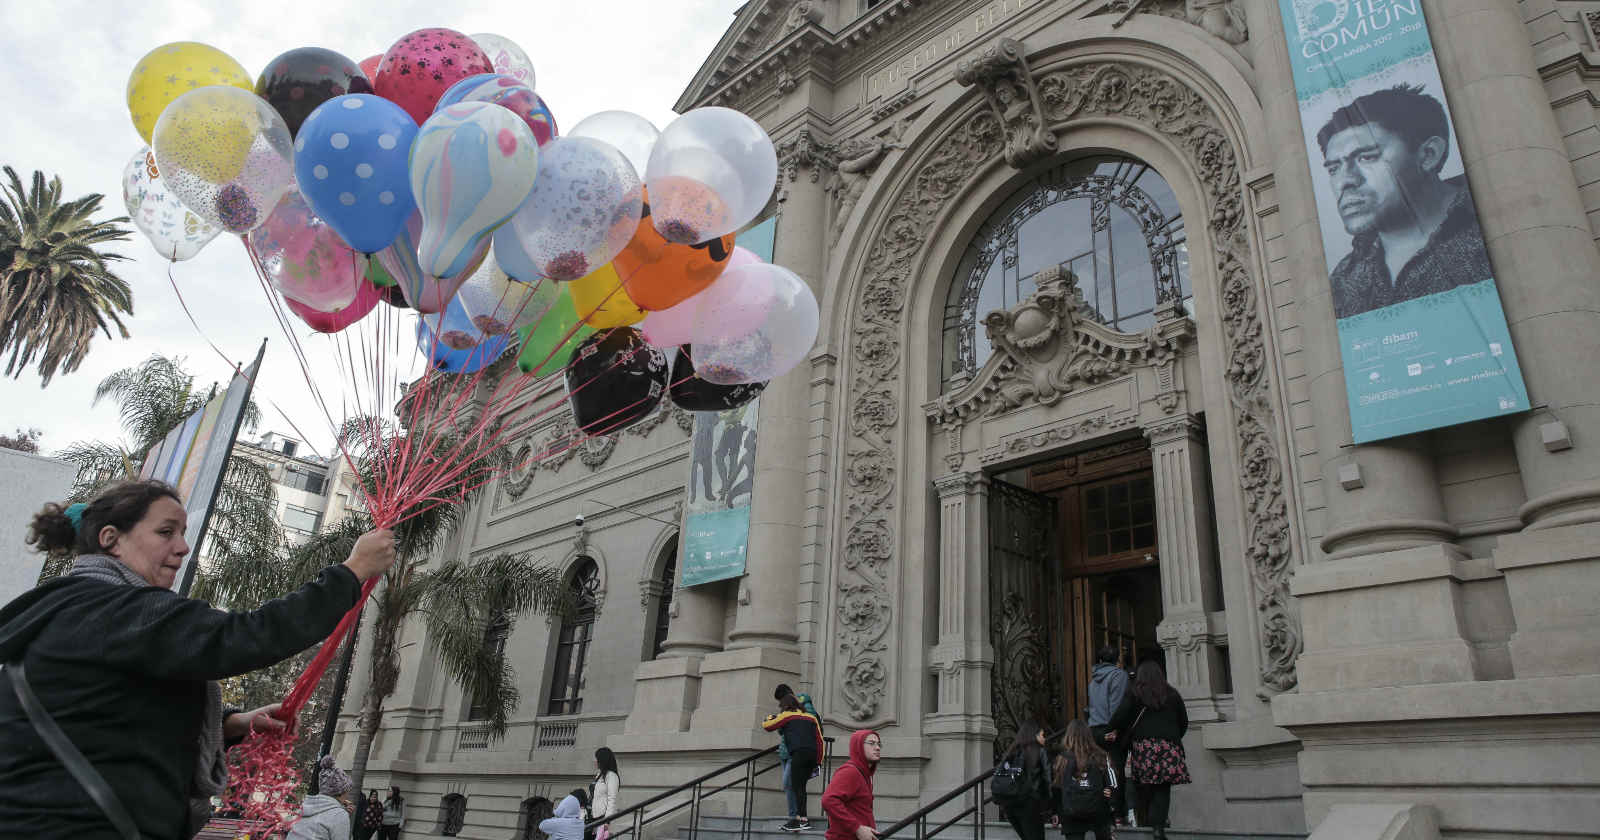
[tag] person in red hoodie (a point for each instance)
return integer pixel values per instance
(848, 800)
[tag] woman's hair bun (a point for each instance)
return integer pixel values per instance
(52, 530)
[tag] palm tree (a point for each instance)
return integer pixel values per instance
(56, 288)
(457, 599)
(153, 398)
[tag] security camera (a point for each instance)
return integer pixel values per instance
(578, 520)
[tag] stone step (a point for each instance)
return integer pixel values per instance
(766, 827)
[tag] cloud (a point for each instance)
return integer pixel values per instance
(66, 74)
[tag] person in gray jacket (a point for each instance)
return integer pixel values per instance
(567, 824)
(326, 815)
(1106, 690)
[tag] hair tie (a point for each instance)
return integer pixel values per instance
(74, 513)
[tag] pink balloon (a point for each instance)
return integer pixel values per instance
(332, 322)
(421, 66)
(736, 303)
(304, 258)
(424, 292)
(369, 66)
(665, 328)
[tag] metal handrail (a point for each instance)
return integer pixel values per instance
(698, 795)
(975, 810)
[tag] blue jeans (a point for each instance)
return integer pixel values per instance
(789, 791)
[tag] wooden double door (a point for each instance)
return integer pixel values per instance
(1073, 567)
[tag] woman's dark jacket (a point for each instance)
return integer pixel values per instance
(1035, 779)
(122, 669)
(1168, 722)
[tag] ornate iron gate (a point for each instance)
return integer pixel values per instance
(1023, 611)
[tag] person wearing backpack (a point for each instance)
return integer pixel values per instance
(1152, 721)
(1087, 784)
(1021, 784)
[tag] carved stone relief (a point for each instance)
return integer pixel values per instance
(1002, 74)
(803, 152)
(559, 442)
(870, 536)
(1222, 18)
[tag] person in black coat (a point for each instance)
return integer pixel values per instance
(1152, 720)
(126, 667)
(1027, 809)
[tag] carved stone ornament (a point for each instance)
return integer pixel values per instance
(1001, 73)
(803, 151)
(1222, 18)
(854, 162)
(1151, 96)
(559, 442)
(1045, 346)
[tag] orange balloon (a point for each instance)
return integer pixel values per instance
(658, 274)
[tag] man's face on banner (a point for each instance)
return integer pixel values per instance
(1372, 170)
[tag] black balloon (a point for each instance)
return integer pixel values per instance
(393, 296)
(614, 380)
(296, 82)
(691, 393)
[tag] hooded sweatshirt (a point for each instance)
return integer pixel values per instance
(848, 799)
(321, 818)
(567, 824)
(1106, 689)
(123, 671)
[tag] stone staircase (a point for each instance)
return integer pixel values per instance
(767, 828)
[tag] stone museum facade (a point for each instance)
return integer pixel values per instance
(1078, 382)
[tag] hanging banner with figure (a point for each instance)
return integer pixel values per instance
(193, 457)
(1421, 329)
(722, 473)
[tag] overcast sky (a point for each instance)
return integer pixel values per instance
(65, 80)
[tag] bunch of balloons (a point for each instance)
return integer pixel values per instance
(603, 246)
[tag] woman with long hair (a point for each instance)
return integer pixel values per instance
(607, 783)
(394, 815)
(1029, 799)
(1153, 722)
(1087, 780)
(127, 669)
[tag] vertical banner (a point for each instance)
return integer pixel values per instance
(1421, 329)
(722, 473)
(194, 456)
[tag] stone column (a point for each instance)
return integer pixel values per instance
(1185, 533)
(763, 647)
(962, 727)
(1543, 252)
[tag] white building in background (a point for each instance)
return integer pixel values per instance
(299, 479)
(30, 482)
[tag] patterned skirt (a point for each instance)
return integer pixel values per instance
(1157, 761)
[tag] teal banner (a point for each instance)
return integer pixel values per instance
(722, 473)
(1422, 332)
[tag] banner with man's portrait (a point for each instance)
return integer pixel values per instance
(1421, 329)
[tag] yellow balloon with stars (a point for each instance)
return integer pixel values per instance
(601, 301)
(172, 70)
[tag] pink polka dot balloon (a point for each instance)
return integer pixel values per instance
(421, 66)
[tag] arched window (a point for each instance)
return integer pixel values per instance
(1111, 221)
(452, 814)
(572, 647)
(532, 812)
(664, 584)
(494, 644)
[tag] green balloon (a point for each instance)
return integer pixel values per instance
(378, 275)
(547, 344)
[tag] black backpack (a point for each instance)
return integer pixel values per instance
(1083, 793)
(1007, 782)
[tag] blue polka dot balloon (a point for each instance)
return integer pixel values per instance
(351, 159)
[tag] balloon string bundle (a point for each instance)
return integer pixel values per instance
(449, 451)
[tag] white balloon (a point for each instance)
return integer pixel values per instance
(774, 344)
(175, 231)
(506, 56)
(632, 134)
(583, 210)
(711, 171)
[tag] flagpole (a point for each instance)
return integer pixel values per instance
(233, 434)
